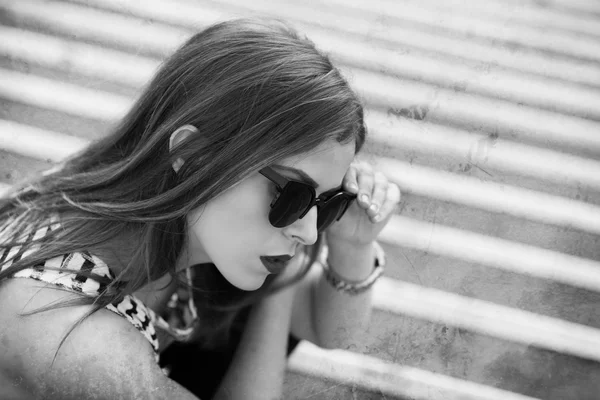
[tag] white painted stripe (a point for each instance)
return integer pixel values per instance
(581, 6)
(63, 97)
(492, 252)
(463, 76)
(183, 13)
(432, 140)
(95, 25)
(38, 143)
(492, 115)
(73, 56)
(472, 314)
(476, 248)
(420, 180)
(195, 16)
(500, 30)
(476, 112)
(488, 318)
(491, 196)
(547, 93)
(411, 178)
(511, 14)
(391, 379)
(4, 188)
(424, 137)
(578, 47)
(422, 383)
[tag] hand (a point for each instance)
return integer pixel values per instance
(365, 218)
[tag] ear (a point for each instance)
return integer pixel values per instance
(177, 138)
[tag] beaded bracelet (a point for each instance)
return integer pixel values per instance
(355, 287)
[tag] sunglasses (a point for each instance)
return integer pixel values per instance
(296, 198)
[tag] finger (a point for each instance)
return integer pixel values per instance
(350, 180)
(392, 199)
(365, 186)
(378, 196)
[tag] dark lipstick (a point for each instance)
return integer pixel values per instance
(275, 264)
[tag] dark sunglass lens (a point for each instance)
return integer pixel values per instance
(333, 210)
(290, 205)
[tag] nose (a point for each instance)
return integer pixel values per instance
(305, 229)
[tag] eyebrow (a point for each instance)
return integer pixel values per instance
(303, 175)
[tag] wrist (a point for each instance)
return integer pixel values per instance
(350, 284)
(351, 262)
(342, 241)
(347, 246)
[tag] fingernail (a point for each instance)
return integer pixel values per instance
(364, 198)
(352, 186)
(373, 208)
(377, 218)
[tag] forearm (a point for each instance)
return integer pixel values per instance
(258, 367)
(340, 318)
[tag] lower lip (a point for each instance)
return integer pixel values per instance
(273, 267)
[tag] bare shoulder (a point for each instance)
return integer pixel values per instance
(105, 357)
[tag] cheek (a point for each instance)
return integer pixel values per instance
(235, 220)
(245, 208)
(232, 231)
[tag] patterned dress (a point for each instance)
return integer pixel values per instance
(182, 358)
(70, 271)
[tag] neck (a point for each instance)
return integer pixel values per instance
(191, 256)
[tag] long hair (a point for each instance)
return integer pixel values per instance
(256, 91)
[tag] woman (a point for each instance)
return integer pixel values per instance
(195, 222)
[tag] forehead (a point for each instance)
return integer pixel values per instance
(327, 164)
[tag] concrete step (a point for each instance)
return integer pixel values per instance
(420, 137)
(505, 84)
(376, 30)
(464, 108)
(458, 23)
(493, 278)
(500, 15)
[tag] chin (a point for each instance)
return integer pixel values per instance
(249, 285)
(246, 282)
